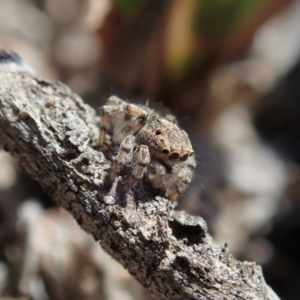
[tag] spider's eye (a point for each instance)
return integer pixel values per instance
(191, 153)
(174, 156)
(165, 151)
(158, 132)
(184, 157)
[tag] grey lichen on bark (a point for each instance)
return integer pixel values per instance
(54, 136)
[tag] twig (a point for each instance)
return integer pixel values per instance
(53, 134)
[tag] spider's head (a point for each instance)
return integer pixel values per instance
(166, 140)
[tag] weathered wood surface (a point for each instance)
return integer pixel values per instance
(54, 135)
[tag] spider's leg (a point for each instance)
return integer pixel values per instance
(127, 119)
(123, 156)
(135, 117)
(171, 119)
(103, 129)
(114, 100)
(140, 162)
(106, 112)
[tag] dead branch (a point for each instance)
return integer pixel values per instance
(53, 135)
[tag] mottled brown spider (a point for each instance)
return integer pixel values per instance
(154, 146)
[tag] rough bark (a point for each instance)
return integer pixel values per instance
(53, 135)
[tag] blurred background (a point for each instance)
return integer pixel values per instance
(228, 69)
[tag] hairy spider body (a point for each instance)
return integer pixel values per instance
(154, 146)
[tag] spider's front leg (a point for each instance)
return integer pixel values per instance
(121, 118)
(140, 162)
(140, 159)
(124, 155)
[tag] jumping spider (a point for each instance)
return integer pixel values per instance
(154, 146)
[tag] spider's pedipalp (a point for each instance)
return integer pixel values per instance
(157, 174)
(180, 180)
